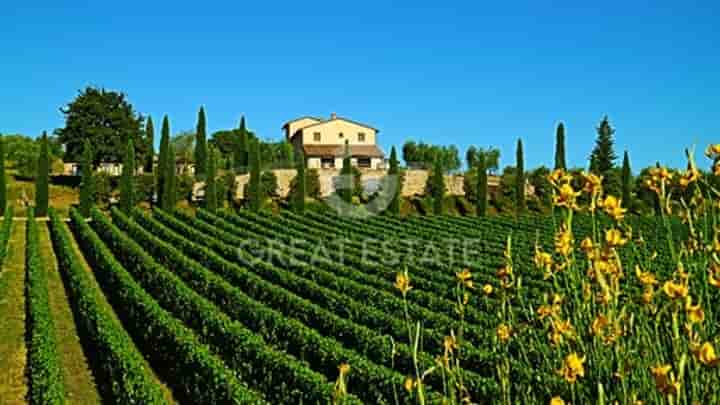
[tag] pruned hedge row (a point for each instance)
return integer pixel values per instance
(44, 367)
(194, 372)
(120, 364)
(281, 377)
(5, 230)
(368, 380)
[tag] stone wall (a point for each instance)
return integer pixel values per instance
(414, 184)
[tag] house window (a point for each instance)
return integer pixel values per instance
(316, 136)
(327, 163)
(341, 135)
(363, 162)
(361, 137)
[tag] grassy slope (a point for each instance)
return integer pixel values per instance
(13, 352)
(79, 382)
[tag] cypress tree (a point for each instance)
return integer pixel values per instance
(201, 152)
(520, 179)
(394, 207)
(346, 174)
(602, 158)
(481, 207)
(626, 181)
(87, 183)
(211, 201)
(43, 179)
(254, 185)
(560, 147)
(438, 188)
(162, 160)
(127, 182)
(240, 152)
(3, 184)
(301, 184)
(169, 198)
(150, 137)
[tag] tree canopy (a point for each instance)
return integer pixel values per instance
(489, 155)
(425, 156)
(107, 120)
(603, 156)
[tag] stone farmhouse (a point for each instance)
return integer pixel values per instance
(323, 142)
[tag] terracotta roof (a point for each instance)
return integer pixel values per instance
(340, 119)
(339, 151)
(300, 118)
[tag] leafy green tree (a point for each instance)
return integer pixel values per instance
(42, 182)
(471, 157)
(162, 170)
(300, 192)
(346, 176)
(184, 147)
(127, 181)
(211, 193)
(255, 185)
(3, 184)
(603, 157)
(438, 188)
(626, 181)
(107, 120)
(394, 206)
(560, 147)
(87, 182)
(482, 189)
(150, 138)
(520, 179)
(240, 152)
(169, 198)
(422, 155)
(538, 178)
(201, 146)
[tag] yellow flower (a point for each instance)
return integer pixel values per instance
(706, 355)
(559, 176)
(648, 294)
(503, 332)
(593, 183)
(712, 280)
(713, 151)
(675, 290)
(598, 325)
(573, 367)
(544, 311)
(465, 277)
(566, 196)
(661, 173)
(402, 283)
(557, 401)
(614, 238)
(409, 384)
(487, 289)
(645, 277)
(344, 369)
(716, 169)
(564, 241)
(690, 176)
(694, 313)
(450, 343)
(612, 207)
(664, 379)
(587, 245)
(543, 260)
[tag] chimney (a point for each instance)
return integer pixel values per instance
(333, 116)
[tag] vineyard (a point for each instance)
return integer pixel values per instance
(245, 307)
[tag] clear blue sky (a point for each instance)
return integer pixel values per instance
(482, 73)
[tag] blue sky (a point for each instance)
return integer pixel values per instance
(482, 73)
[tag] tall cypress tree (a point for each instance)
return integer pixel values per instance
(481, 207)
(254, 185)
(169, 198)
(394, 207)
(438, 187)
(150, 138)
(201, 146)
(560, 147)
(127, 181)
(3, 184)
(603, 157)
(520, 179)
(162, 160)
(626, 181)
(43, 179)
(211, 200)
(346, 174)
(300, 184)
(87, 182)
(240, 152)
